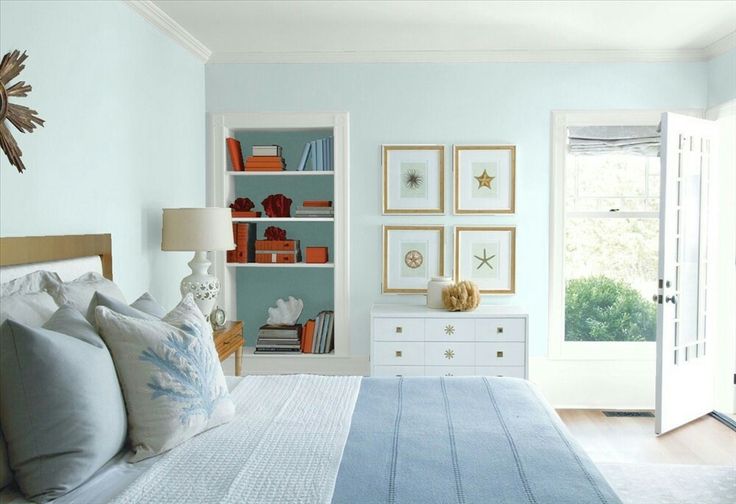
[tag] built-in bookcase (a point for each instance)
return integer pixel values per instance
(248, 289)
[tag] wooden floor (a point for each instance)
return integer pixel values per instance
(705, 441)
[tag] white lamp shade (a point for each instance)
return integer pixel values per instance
(197, 229)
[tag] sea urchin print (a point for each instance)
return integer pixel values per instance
(412, 179)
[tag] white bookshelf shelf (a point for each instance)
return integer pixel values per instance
(281, 265)
(283, 219)
(278, 173)
(250, 352)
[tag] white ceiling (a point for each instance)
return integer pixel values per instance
(451, 30)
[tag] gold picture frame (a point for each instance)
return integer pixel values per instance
(501, 197)
(413, 190)
(415, 281)
(478, 267)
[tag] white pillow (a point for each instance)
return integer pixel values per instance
(32, 309)
(32, 282)
(78, 293)
(171, 376)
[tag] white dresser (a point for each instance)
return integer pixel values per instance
(415, 340)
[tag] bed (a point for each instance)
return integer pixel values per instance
(309, 438)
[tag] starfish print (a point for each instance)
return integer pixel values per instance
(484, 180)
(485, 260)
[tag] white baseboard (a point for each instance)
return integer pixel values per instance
(305, 363)
(581, 384)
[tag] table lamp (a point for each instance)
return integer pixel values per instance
(198, 230)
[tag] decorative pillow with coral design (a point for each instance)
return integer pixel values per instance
(171, 376)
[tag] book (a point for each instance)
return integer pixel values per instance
(305, 154)
(236, 154)
(277, 245)
(320, 153)
(330, 333)
(317, 329)
(244, 234)
(267, 150)
(317, 203)
(306, 345)
(266, 160)
(276, 350)
(276, 258)
(313, 157)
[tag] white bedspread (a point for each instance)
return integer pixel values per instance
(284, 446)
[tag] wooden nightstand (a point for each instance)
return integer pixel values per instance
(229, 340)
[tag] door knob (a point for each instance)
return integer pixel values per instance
(671, 299)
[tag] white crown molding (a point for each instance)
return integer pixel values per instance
(167, 25)
(584, 56)
(721, 46)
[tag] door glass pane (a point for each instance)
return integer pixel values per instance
(611, 273)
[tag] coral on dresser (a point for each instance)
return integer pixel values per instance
(285, 312)
(277, 205)
(462, 296)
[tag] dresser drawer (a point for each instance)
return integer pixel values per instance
(510, 371)
(500, 354)
(449, 329)
(398, 371)
(398, 329)
(449, 370)
(501, 329)
(398, 353)
(447, 353)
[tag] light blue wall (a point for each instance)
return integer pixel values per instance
(124, 135)
(722, 78)
(452, 103)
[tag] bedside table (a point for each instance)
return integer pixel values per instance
(229, 340)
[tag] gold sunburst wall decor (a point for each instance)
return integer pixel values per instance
(23, 118)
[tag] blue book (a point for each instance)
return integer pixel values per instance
(305, 155)
(313, 157)
(331, 153)
(320, 152)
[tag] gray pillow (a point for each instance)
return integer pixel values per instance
(61, 407)
(79, 292)
(32, 282)
(31, 308)
(6, 475)
(148, 304)
(100, 299)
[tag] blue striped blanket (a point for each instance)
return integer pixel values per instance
(462, 440)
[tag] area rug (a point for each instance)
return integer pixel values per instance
(672, 483)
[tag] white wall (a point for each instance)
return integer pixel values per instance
(124, 134)
(452, 103)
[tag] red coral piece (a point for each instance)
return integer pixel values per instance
(242, 205)
(277, 205)
(275, 233)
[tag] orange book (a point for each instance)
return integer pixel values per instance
(307, 336)
(236, 154)
(317, 203)
(264, 159)
(277, 245)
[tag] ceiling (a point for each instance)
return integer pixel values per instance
(276, 31)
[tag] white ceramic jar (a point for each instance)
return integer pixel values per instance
(434, 291)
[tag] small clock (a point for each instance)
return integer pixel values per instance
(218, 318)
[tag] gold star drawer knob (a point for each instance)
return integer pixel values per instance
(449, 353)
(449, 329)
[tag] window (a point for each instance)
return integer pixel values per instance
(604, 238)
(611, 247)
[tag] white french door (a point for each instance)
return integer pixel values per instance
(685, 384)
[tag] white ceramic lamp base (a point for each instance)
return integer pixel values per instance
(203, 286)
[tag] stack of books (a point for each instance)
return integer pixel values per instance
(265, 158)
(276, 339)
(319, 334)
(319, 155)
(315, 208)
(277, 251)
(244, 236)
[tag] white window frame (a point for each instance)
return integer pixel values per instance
(584, 350)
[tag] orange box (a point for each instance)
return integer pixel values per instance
(317, 255)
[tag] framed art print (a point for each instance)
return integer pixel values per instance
(486, 256)
(413, 179)
(412, 255)
(484, 179)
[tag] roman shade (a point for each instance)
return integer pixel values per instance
(590, 140)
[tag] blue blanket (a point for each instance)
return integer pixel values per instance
(462, 440)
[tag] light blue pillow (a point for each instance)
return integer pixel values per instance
(138, 311)
(61, 407)
(148, 304)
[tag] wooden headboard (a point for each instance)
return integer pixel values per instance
(34, 249)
